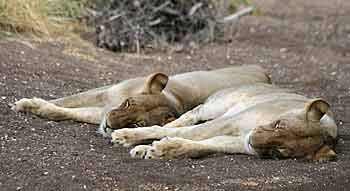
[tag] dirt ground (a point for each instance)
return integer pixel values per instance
(304, 45)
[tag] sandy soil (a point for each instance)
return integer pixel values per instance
(305, 46)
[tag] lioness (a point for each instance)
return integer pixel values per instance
(257, 119)
(152, 100)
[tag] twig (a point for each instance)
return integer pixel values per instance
(171, 12)
(236, 15)
(162, 6)
(94, 13)
(194, 8)
(155, 22)
(115, 17)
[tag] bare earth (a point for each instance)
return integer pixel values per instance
(305, 46)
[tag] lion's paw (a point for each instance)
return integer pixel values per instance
(125, 137)
(170, 147)
(35, 105)
(142, 152)
(132, 136)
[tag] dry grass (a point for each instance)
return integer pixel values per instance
(42, 18)
(25, 16)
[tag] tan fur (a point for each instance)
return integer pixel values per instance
(151, 100)
(256, 119)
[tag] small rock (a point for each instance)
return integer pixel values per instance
(283, 50)
(46, 173)
(249, 183)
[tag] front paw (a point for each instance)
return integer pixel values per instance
(142, 152)
(126, 137)
(170, 147)
(166, 148)
(132, 136)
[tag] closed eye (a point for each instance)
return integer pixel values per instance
(280, 124)
(127, 104)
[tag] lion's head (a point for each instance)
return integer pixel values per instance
(298, 134)
(150, 107)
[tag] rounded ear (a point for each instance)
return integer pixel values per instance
(155, 83)
(324, 154)
(316, 109)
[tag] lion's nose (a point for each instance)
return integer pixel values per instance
(110, 142)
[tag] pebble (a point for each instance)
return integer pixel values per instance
(283, 50)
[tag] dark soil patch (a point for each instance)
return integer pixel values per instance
(37, 154)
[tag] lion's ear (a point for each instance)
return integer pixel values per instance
(324, 154)
(316, 109)
(155, 83)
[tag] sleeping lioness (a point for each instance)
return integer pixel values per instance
(152, 100)
(257, 119)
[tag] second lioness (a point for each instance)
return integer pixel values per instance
(152, 100)
(256, 119)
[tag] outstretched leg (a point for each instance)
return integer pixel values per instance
(179, 148)
(201, 113)
(214, 107)
(191, 117)
(133, 136)
(51, 111)
(91, 98)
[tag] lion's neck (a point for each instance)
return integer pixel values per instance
(181, 96)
